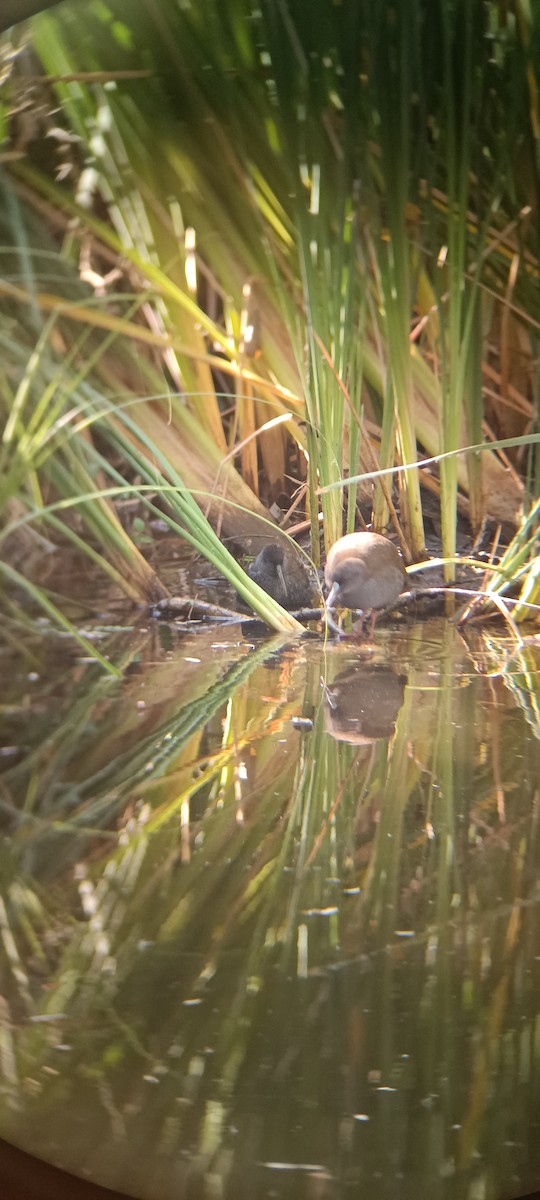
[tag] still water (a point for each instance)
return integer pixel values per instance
(270, 914)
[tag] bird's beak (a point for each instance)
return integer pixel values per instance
(332, 596)
(279, 572)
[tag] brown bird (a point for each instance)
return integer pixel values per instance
(363, 571)
(283, 576)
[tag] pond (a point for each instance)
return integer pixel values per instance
(270, 912)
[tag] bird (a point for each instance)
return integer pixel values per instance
(364, 571)
(283, 576)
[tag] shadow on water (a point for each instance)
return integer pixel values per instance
(270, 916)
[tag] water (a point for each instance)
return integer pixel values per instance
(270, 913)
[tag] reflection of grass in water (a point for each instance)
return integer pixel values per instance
(196, 975)
(518, 668)
(98, 752)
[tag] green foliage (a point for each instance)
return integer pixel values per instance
(369, 174)
(343, 162)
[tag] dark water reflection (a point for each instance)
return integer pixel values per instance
(270, 916)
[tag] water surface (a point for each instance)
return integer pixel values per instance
(270, 914)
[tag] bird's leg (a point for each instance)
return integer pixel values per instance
(358, 627)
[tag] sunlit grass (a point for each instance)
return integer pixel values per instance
(352, 253)
(343, 285)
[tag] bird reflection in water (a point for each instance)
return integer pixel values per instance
(361, 706)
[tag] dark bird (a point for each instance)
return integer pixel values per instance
(363, 571)
(283, 576)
